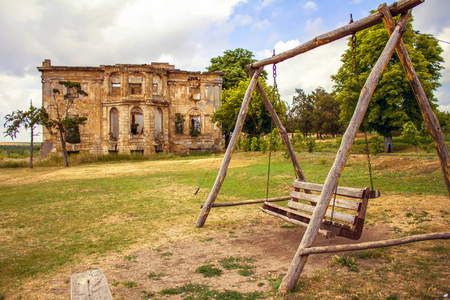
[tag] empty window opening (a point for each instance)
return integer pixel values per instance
(158, 121)
(156, 85)
(135, 84)
(137, 121)
(137, 152)
(178, 124)
(194, 128)
(73, 132)
(115, 85)
(194, 88)
(113, 124)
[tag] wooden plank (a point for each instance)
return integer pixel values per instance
(343, 191)
(341, 203)
(310, 209)
(89, 285)
(297, 264)
(396, 8)
(287, 210)
(431, 121)
(245, 202)
(326, 233)
(201, 219)
(376, 244)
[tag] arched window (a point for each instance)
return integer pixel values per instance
(137, 121)
(158, 121)
(113, 124)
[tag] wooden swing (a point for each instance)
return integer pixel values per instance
(315, 223)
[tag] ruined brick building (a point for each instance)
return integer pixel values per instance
(136, 108)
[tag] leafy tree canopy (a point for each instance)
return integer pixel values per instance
(258, 120)
(393, 102)
(233, 63)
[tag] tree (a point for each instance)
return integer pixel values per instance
(326, 113)
(258, 120)
(30, 119)
(66, 125)
(233, 63)
(303, 107)
(393, 102)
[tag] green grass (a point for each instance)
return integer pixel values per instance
(50, 223)
(209, 271)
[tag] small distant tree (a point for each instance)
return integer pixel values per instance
(29, 119)
(63, 123)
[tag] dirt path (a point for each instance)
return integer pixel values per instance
(271, 246)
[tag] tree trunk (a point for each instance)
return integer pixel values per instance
(31, 148)
(63, 145)
(388, 146)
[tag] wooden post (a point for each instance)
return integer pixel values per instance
(282, 130)
(396, 8)
(299, 260)
(230, 149)
(431, 121)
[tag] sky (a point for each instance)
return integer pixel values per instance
(186, 34)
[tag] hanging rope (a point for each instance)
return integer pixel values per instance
(206, 174)
(274, 93)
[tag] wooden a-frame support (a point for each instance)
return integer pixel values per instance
(395, 42)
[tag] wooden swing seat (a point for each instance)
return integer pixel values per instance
(301, 207)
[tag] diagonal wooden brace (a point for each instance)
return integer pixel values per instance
(431, 121)
(311, 232)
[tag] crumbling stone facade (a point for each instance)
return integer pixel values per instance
(137, 108)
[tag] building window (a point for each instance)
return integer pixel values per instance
(194, 128)
(137, 121)
(135, 84)
(194, 88)
(156, 85)
(73, 132)
(115, 85)
(158, 121)
(113, 124)
(178, 124)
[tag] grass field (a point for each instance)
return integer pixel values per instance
(55, 220)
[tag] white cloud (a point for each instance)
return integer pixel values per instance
(262, 25)
(242, 20)
(306, 71)
(314, 27)
(310, 7)
(266, 3)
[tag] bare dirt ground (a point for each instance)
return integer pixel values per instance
(271, 246)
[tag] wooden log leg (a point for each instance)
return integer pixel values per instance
(299, 260)
(230, 149)
(431, 121)
(283, 132)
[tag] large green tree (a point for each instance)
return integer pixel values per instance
(233, 63)
(29, 119)
(60, 120)
(258, 120)
(303, 110)
(393, 102)
(326, 113)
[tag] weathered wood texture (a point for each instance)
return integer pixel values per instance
(298, 262)
(396, 8)
(342, 191)
(431, 121)
(246, 202)
(283, 132)
(340, 203)
(230, 149)
(310, 209)
(89, 286)
(325, 233)
(376, 244)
